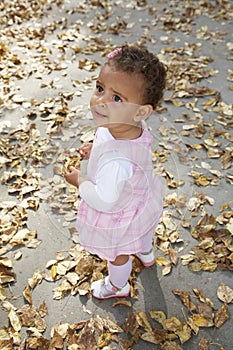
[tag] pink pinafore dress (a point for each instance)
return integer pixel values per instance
(137, 211)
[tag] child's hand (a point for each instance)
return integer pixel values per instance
(73, 176)
(85, 150)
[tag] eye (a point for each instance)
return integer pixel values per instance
(117, 98)
(99, 89)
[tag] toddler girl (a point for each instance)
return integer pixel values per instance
(121, 196)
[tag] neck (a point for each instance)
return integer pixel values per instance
(126, 132)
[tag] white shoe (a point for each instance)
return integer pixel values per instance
(103, 289)
(148, 259)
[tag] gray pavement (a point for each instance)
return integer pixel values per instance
(58, 47)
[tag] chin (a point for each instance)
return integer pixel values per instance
(99, 122)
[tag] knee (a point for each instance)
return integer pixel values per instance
(120, 260)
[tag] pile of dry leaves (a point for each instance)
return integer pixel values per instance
(34, 152)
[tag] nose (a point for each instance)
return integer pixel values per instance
(102, 101)
(103, 98)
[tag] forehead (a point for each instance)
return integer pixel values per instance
(120, 81)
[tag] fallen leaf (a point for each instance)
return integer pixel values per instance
(221, 316)
(14, 320)
(225, 293)
(201, 321)
(203, 344)
(185, 298)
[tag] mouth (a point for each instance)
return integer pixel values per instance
(99, 115)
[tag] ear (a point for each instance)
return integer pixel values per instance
(143, 113)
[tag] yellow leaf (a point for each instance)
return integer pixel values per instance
(53, 271)
(158, 316)
(104, 340)
(202, 321)
(172, 324)
(163, 261)
(224, 207)
(184, 333)
(177, 103)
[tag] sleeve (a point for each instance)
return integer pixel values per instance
(113, 171)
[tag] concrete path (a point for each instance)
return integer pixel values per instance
(49, 58)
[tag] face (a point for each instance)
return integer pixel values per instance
(116, 99)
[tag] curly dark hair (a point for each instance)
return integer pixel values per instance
(135, 58)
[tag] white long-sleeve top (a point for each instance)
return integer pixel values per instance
(113, 171)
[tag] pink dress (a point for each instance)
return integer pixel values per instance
(138, 210)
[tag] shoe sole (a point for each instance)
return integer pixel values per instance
(146, 264)
(111, 296)
(151, 263)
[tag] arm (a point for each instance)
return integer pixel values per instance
(110, 179)
(85, 150)
(74, 177)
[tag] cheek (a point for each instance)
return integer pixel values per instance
(92, 100)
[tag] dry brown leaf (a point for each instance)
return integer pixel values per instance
(14, 320)
(157, 337)
(203, 344)
(43, 310)
(3, 294)
(27, 295)
(225, 293)
(195, 266)
(184, 333)
(172, 324)
(38, 343)
(173, 256)
(128, 343)
(35, 279)
(200, 296)
(86, 338)
(131, 325)
(185, 298)
(170, 345)
(205, 310)
(122, 302)
(57, 340)
(6, 339)
(193, 326)
(165, 263)
(6, 274)
(221, 316)
(143, 321)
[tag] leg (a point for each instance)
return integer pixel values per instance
(116, 283)
(120, 270)
(147, 242)
(146, 255)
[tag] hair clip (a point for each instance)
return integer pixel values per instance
(113, 53)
